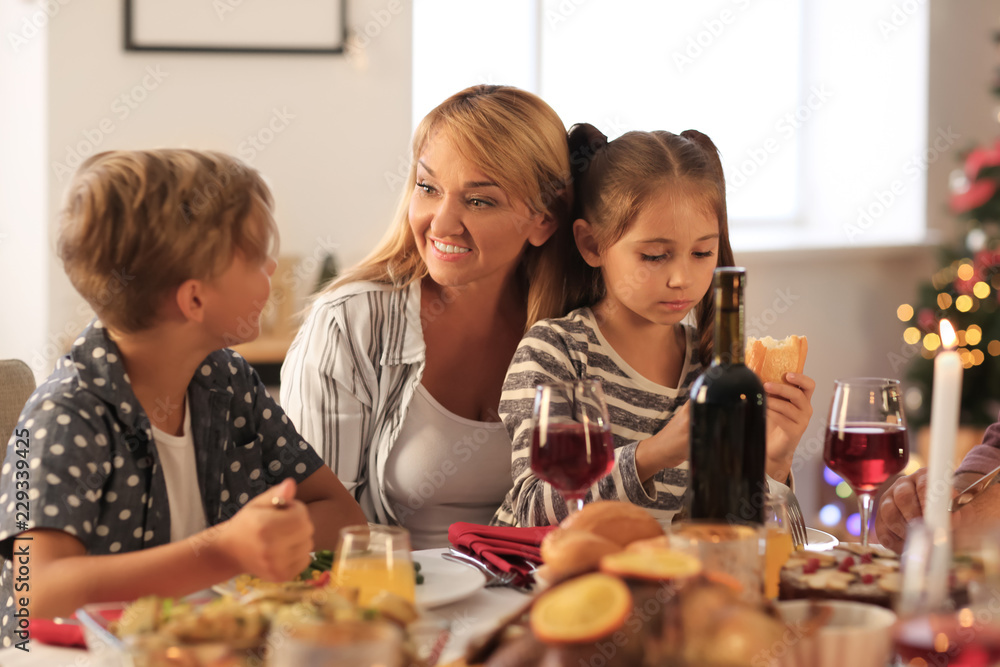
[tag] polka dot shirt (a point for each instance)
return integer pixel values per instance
(92, 464)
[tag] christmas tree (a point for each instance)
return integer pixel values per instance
(966, 291)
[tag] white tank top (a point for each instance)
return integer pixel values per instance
(445, 468)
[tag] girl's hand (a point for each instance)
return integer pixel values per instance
(789, 408)
(668, 448)
(271, 536)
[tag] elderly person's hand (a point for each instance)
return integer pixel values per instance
(981, 510)
(900, 503)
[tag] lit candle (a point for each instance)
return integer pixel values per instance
(945, 399)
(944, 427)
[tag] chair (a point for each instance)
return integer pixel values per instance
(16, 384)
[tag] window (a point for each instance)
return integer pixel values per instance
(819, 109)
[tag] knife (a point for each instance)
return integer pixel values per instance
(977, 487)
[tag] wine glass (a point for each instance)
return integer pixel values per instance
(571, 443)
(949, 596)
(866, 439)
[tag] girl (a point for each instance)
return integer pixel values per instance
(395, 376)
(650, 229)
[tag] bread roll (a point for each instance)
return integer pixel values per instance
(620, 522)
(571, 552)
(771, 359)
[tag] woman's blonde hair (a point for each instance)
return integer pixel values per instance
(614, 180)
(137, 224)
(519, 142)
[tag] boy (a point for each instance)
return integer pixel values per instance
(153, 460)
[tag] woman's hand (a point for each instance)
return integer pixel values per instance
(789, 408)
(668, 448)
(900, 503)
(271, 536)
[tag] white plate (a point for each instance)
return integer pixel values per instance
(819, 540)
(444, 581)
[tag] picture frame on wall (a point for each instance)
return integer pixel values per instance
(236, 26)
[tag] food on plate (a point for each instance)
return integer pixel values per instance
(581, 610)
(652, 564)
(229, 631)
(771, 359)
(844, 573)
(620, 522)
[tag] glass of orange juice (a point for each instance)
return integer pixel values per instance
(373, 559)
(778, 539)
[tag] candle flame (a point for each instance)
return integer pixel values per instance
(948, 338)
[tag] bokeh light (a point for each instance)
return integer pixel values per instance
(904, 312)
(932, 341)
(831, 478)
(854, 524)
(911, 335)
(964, 303)
(830, 515)
(944, 301)
(844, 490)
(973, 335)
(981, 290)
(965, 271)
(993, 348)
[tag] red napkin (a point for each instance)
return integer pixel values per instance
(57, 634)
(502, 548)
(69, 635)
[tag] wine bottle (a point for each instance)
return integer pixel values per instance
(728, 419)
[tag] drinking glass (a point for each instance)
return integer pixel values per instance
(866, 441)
(373, 559)
(571, 443)
(957, 621)
(777, 538)
(730, 552)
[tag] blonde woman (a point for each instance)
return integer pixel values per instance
(395, 376)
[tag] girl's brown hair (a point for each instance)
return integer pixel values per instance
(613, 180)
(136, 224)
(520, 143)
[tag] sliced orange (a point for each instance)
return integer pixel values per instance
(652, 564)
(581, 610)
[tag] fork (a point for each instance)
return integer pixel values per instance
(799, 536)
(493, 579)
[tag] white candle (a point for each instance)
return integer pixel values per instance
(945, 400)
(944, 427)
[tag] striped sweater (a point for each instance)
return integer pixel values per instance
(573, 347)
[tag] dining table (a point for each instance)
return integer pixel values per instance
(468, 618)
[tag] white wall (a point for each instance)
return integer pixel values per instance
(845, 300)
(344, 125)
(24, 256)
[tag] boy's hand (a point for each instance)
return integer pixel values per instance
(271, 536)
(789, 408)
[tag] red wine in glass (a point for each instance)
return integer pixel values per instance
(866, 439)
(947, 639)
(571, 457)
(866, 455)
(571, 443)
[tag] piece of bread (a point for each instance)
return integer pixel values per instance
(620, 522)
(770, 359)
(571, 552)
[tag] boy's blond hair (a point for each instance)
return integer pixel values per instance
(137, 224)
(519, 142)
